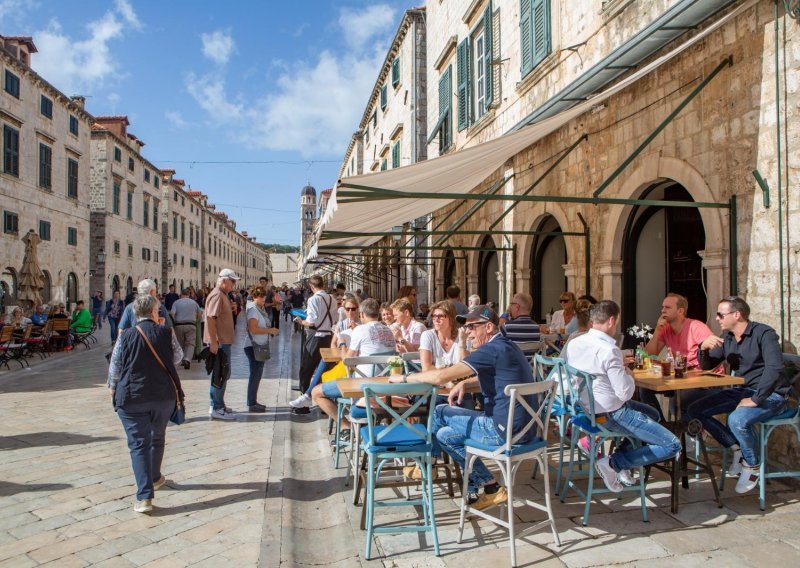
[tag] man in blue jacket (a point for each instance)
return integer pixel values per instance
(752, 351)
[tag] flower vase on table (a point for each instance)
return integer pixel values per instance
(395, 365)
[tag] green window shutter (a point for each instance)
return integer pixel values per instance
(396, 72)
(525, 33)
(462, 75)
(445, 115)
(541, 30)
(383, 96)
(488, 53)
(383, 164)
(396, 155)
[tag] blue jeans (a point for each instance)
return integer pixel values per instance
(452, 427)
(145, 426)
(331, 390)
(317, 376)
(218, 394)
(256, 370)
(740, 420)
(113, 325)
(640, 421)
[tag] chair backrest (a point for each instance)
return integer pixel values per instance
(791, 368)
(6, 333)
(411, 362)
(554, 369)
(543, 392)
(61, 324)
(26, 333)
(581, 396)
(380, 365)
(377, 395)
(552, 345)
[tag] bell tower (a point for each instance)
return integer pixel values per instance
(308, 212)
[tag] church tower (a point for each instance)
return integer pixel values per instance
(308, 212)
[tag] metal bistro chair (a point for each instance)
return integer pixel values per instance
(789, 417)
(411, 363)
(380, 368)
(554, 369)
(404, 440)
(510, 455)
(531, 349)
(583, 420)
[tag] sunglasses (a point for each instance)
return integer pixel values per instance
(563, 301)
(438, 316)
(471, 326)
(720, 315)
(350, 309)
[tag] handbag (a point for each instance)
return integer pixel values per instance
(261, 351)
(179, 414)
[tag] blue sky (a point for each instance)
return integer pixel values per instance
(210, 81)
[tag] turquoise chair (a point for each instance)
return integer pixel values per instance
(583, 420)
(411, 363)
(399, 439)
(553, 368)
(511, 454)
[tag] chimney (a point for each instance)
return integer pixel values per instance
(116, 124)
(80, 101)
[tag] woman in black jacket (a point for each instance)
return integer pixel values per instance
(144, 394)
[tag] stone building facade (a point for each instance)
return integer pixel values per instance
(182, 241)
(44, 178)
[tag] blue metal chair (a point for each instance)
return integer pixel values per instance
(399, 439)
(411, 363)
(511, 454)
(552, 368)
(583, 420)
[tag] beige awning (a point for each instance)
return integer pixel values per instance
(458, 172)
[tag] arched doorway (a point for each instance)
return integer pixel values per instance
(8, 284)
(449, 268)
(47, 284)
(660, 256)
(114, 284)
(488, 267)
(72, 290)
(129, 287)
(548, 257)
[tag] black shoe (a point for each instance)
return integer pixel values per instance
(186, 364)
(257, 408)
(344, 438)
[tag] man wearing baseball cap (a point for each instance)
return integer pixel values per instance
(497, 361)
(219, 335)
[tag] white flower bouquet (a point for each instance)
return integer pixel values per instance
(641, 332)
(395, 362)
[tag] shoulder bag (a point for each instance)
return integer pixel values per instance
(179, 414)
(261, 351)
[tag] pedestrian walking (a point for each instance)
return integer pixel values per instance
(114, 309)
(97, 309)
(144, 388)
(256, 345)
(219, 335)
(185, 312)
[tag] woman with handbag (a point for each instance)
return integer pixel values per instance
(146, 393)
(256, 345)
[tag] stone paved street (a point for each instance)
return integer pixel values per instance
(262, 492)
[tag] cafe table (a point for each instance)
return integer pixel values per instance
(692, 380)
(330, 354)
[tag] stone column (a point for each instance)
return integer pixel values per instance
(571, 272)
(472, 286)
(522, 279)
(611, 274)
(715, 262)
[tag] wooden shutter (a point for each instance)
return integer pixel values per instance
(540, 21)
(488, 43)
(525, 31)
(396, 72)
(462, 76)
(396, 155)
(445, 96)
(383, 96)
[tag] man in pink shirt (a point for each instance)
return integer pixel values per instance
(680, 334)
(676, 331)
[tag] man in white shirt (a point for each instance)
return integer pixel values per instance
(320, 317)
(372, 337)
(596, 352)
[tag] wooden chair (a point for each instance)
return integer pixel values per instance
(6, 335)
(59, 333)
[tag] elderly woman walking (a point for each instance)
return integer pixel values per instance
(144, 388)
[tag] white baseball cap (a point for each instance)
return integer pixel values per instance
(228, 273)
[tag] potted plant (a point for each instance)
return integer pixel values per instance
(395, 365)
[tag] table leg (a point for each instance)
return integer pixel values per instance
(709, 470)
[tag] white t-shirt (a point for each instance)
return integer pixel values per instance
(429, 341)
(371, 338)
(413, 332)
(264, 323)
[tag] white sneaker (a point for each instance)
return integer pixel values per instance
(748, 479)
(610, 477)
(736, 464)
(222, 414)
(144, 506)
(302, 401)
(626, 477)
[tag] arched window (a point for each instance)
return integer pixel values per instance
(72, 290)
(8, 282)
(114, 284)
(47, 284)
(488, 286)
(129, 287)
(548, 255)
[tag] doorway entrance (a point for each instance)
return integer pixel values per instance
(548, 257)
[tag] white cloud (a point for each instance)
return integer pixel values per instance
(314, 106)
(362, 25)
(126, 11)
(175, 118)
(218, 46)
(12, 9)
(76, 65)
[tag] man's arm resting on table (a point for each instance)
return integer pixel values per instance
(439, 377)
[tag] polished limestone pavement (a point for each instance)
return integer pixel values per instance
(262, 491)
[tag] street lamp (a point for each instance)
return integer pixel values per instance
(101, 256)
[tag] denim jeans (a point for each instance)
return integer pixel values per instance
(688, 396)
(145, 426)
(640, 421)
(740, 420)
(218, 394)
(256, 370)
(317, 376)
(113, 325)
(452, 427)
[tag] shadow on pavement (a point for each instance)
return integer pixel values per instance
(7, 488)
(39, 439)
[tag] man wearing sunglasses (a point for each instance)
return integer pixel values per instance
(497, 361)
(752, 351)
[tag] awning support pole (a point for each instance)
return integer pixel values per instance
(552, 167)
(471, 211)
(587, 254)
(734, 248)
(725, 63)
